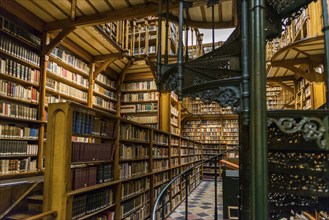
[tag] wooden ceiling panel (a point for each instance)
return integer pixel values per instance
(51, 9)
(227, 11)
(85, 7)
(29, 5)
(83, 44)
(114, 67)
(65, 7)
(316, 52)
(292, 54)
(101, 6)
(120, 64)
(100, 39)
(195, 14)
(92, 40)
(118, 4)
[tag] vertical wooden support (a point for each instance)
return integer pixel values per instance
(164, 115)
(57, 160)
(146, 37)
(326, 43)
(139, 39)
(133, 37)
(117, 192)
(42, 98)
(127, 36)
(91, 85)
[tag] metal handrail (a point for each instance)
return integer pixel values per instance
(186, 173)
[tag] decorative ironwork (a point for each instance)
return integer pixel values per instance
(171, 83)
(312, 128)
(197, 80)
(225, 96)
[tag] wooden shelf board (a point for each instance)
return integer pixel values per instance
(20, 119)
(131, 160)
(96, 212)
(104, 109)
(89, 163)
(66, 81)
(18, 139)
(104, 96)
(134, 195)
(137, 91)
(106, 86)
(65, 96)
(91, 188)
(13, 99)
(22, 174)
(67, 66)
(18, 80)
(140, 101)
(19, 60)
(135, 177)
(135, 141)
(18, 156)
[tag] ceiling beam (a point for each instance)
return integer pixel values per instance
(280, 79)
(142, 10)
(73, 9)
(282, 63)
(58, 39)
(102, 67)
(123, 74)
(70, 45)
(152, 66)
(110, 56)
(203, 25)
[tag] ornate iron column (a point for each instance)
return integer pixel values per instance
(180, 53)
(258, 127)
(245, 152)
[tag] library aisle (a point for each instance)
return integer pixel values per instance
(201, 203)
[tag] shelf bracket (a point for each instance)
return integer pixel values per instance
(58, 39)
(102, 67)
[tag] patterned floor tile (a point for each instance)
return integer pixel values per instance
(201, 203)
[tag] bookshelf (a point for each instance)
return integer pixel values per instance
(210, 150)
(118, 165)
(140, 102)
(20, 143)
(309, 95)
(105, 92)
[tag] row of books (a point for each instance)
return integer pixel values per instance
(19, 32)
(143, 119)
(17, 166)
(134, 151)
(104, 103)
(174, 141)
(128, 170)
(108, 93)
(159, 152)
(160, 178)
(105, 127)
(18, 51)
(133, 86)
(65, 89)
(18, 91)
(106, 80)
(82, 123)
(17, 148)
(91, 202)
(146, 96)
(18, 111)
(86, 152)
(174, 151)
(70, 59)
(106, 215)
(174, 111)
(131, 132)
(161, 164)
(161, 138)
(174, 121)
(133, 187)
(54, 99)
(147, 107)
(90, 176)
(54, 68)
(174, 161)
(174, 130)
(20, 71)
(136, 207)
(13, 131)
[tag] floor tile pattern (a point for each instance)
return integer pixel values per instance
(201, 203)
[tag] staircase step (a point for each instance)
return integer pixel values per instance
(22, 215)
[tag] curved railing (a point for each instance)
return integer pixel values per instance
(161, 198)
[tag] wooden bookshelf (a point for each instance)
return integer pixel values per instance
(20, 141)
(102, 154)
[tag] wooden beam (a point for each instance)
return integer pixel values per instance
(203, 25)
(152, 66)
(58, 39)
(102, 67)
(123, 73)
(73, 9)
(76, 49)
(142, 10)
(110, 56)
(21, 12)
(281, 79)
(282, 63)
(285, 86)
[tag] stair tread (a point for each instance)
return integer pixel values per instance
(22, 215)
(35, 197)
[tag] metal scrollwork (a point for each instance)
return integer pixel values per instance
(197, 80)
(312, 128)
(171, 83)
(225, 96)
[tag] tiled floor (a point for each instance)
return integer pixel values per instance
(201, 203)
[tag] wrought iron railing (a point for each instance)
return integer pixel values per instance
(161, 198)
